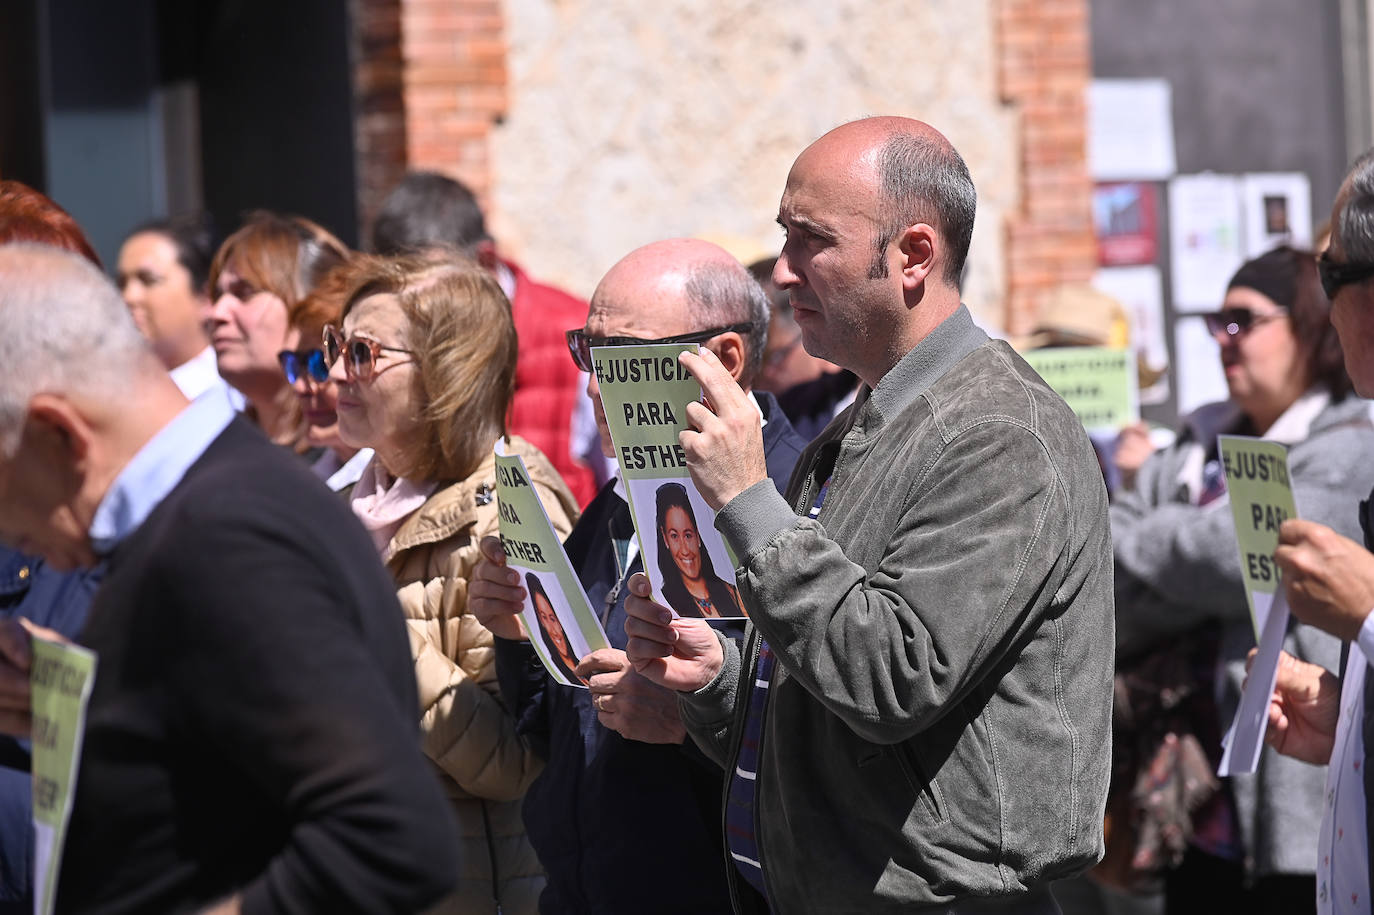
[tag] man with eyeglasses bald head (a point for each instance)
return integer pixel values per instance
(621, 746)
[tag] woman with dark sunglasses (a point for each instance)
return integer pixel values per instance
(258, 275)
(307, 372)
(424, 361)
(1183, 623)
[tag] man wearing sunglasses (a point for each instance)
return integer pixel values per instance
(1329, 580)
(620, 746)
(250, 742)
(920, 715)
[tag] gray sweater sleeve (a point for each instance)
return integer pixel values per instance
(708, 711)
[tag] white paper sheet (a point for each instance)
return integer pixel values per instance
(1245, 738)
(1130, 130)
(1204, 239)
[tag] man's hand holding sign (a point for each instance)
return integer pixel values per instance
(1329, 578)
(724, 451)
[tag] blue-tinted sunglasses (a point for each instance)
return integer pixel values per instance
(306, 363)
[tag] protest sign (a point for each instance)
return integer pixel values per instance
(60, 680)
(1097, 382)
(1261, 499)
(558, 616)
(644, 393)
(1261, 496)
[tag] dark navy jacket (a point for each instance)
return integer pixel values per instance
(59, 601)
(621, 826)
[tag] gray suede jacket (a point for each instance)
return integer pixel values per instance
(938, 723)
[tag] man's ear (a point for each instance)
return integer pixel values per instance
(59, 432)
(729, 349)
(920, 246)
(484, 252)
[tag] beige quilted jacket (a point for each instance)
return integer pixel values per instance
(467, 733)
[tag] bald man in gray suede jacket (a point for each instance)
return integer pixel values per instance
(920, 715)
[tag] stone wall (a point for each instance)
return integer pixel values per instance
(589, 127)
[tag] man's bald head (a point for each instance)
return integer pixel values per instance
(682, 285)
(67, 331)
(918, 175)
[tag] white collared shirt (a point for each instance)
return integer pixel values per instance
(1343, 844)
(200, 374)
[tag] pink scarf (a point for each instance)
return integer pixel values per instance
(382, 504)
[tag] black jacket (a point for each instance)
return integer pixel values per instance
(582, 813)
(253, 723)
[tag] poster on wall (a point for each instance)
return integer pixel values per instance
(1130, 130)
(1140, 290)
(1205, 239)
(1278, 210)
(1125, 223)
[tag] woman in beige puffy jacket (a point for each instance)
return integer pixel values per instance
(425, 364)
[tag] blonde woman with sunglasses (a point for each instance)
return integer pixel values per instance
(424, 361)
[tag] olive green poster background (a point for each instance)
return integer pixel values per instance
(533, 547)
(60, 680)
(1261, 497)
(1097, 382)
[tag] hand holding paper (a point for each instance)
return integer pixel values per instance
(628, 703)
(1329, 578)
(724, 447)
(1303, 710)
(495, 596)
(679, 654)
(16, 657)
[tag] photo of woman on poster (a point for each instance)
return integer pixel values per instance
(551, 629)
(690, 583)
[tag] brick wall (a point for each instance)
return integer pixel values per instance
(431, 82)
(1044, 66)
(379, 92)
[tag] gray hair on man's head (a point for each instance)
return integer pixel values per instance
(722, 295)
(925, 179)
(1354, 226)
(67, 331)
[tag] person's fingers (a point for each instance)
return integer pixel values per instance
(721, 390)
(640, 650)
(16, 723)
(652, 630)
(646, 610)
(1296, 530)
(639, 584)
(699, 417)
(14, 689)
(491, 549)
(511, 598)
(600, 668)
(16, 643)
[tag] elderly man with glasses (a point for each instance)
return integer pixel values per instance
(627, 751)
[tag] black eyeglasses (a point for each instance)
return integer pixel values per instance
(1335, 276)
(1236, 322)
(360, 354)
(306, 363)
(580, 344)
